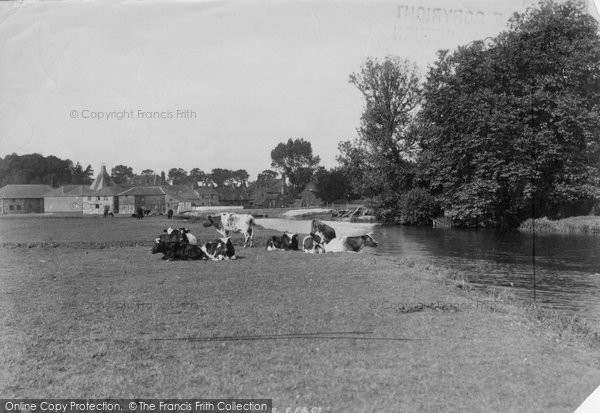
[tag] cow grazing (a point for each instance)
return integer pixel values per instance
(350, 244)
(319, 228)
(312, 244)
(284, 242)
(226, 223)
(174, 250)
(220, 249)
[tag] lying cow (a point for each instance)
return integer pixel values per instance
(325, 231)
(313, 244)
(226, 223)
(175, 250)
(220, 249)
(284, 242)
(187, 236)
(350, 244)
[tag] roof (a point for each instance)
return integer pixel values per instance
(24, 191)
(143, 190)
(71, 190)
(180, 192)
(232, 193)
(207, 190)
(153, 179)
(112, 190)
(102, 180)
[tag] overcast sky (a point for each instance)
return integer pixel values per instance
(254, 73)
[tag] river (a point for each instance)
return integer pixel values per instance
(567, 267)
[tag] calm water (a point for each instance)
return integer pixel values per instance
(567, 266)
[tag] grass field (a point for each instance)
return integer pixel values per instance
(581, 224)
(87, 311)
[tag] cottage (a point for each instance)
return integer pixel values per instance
(23, 199)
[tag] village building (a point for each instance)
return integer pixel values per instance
(274, 194)
(23, 199)
(308, 197)
(80, 199)
(208, 196)
(234, 196)
(157, 199)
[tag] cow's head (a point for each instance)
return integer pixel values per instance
(208, 221)
(159, 246)
(369, 240)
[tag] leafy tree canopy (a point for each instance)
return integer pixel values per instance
(510, 125)
(295, 159)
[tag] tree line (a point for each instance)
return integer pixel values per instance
(498, 130)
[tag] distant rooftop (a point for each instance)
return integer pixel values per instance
(24, 191)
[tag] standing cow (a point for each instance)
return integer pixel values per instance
(226, 223)
(325, 231)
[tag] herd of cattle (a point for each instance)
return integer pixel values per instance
(180, 244)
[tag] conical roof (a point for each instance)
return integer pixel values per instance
(102, 180)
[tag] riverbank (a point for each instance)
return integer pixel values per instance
(340, 332)
(581, 224)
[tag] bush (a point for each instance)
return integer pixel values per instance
(418, 207)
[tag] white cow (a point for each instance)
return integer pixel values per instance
(226, 223)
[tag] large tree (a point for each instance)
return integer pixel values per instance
(295, 159)
(121, 174)
(197, 177)
(511, 125)
(380, 162)
(178, 176)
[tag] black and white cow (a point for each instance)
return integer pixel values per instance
(313, 244)
(176, 250)
(187, 236)
(226, 223)
(325, 231)
(284, 242)
(220, 249)
(350, 244)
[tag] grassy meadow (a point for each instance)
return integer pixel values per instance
(88, 312)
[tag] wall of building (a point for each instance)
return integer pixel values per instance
(128, 204)
(96, 204)
(21, 205)
(63, 204)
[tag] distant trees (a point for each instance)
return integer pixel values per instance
(265, 177)
(510, 126)
(295, 159)
(148, 172)
(177, 176)
(332, 184)
(38, 169)
(121, 174)
(79, 176)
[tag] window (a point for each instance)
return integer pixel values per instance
(89, 198)
(106, 198)
(18, 207)
(97, 206)
(97, 198)
(11, 208)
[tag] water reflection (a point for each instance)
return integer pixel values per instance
(566, 266)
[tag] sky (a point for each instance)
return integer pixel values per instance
(208, 84)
